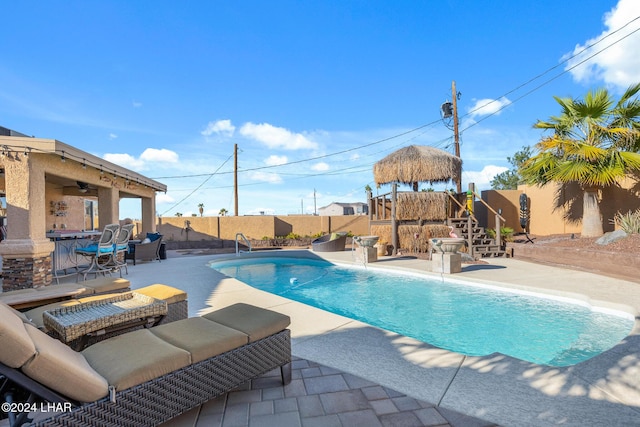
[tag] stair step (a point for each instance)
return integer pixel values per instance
(482, 244)
(486, 248)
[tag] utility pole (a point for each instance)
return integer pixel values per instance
(456, 137)
(235, 177)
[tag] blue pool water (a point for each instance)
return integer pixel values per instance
(467, 319)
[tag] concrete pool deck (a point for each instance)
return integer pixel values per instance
(604, 390)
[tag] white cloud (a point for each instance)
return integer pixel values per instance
(112, 136)
(124, 160)
(320, 167)
(136, 104)
(485, 107)
(482, 179)
(271, 178)
(618, 64)
(150, 155)
(220, 127)
(274, 160)
(162, 155)
(276, 137)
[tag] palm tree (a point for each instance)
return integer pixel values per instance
(223, 212)
(595, 143)
(201, 208)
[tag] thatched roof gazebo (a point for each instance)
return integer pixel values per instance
(412, 165)
(417, 163)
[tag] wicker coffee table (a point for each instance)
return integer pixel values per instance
(75, 324)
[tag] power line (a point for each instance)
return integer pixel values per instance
(380, 141)
(551, 69)
(440, 143)
(198, 187)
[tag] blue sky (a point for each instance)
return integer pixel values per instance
(313, 93)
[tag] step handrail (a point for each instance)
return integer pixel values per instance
(489, 207)
(248, 243)
(460, 205)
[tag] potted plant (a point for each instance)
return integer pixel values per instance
(382, 247)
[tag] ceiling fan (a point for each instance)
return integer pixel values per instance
(80, 189)
(83, 187)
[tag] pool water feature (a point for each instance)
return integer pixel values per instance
(471, 319)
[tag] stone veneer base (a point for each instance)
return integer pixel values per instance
(24, 272)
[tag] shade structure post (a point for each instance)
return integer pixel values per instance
(394, 221)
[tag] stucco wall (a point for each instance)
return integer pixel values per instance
(73, 218)
(556, 209)
(258, 227)
(507, 200)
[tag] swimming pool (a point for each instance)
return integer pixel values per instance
(465, 318)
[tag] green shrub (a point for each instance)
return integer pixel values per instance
(629, 222)
(292, 236)
(506, 233)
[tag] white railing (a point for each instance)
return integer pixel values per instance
(246, 241)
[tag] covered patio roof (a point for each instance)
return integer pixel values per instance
(24, 145)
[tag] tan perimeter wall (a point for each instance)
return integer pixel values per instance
(554, 210)
(258, 227)
(557, 209)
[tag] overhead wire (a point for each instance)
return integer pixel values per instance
(380, 141)
(198, 187)
(441, 142)
(569, 58)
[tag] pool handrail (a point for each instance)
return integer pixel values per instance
(248, 243)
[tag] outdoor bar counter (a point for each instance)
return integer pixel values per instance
(64, 255)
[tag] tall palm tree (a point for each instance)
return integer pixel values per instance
(595, 142)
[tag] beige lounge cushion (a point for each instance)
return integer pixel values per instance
(254, 321)
(135, 358)
(60, 368)
(16, 346)
(101, 285)
(35, 314)
(20, 314)
(200, 337)
(163, 292)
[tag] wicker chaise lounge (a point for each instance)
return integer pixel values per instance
(144, 377)
(334, 242)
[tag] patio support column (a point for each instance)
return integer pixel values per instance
(108, 206)
(149, 214)
(26, 252)
(394, 220)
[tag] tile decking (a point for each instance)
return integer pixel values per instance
(604, 390)
(319, 396)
